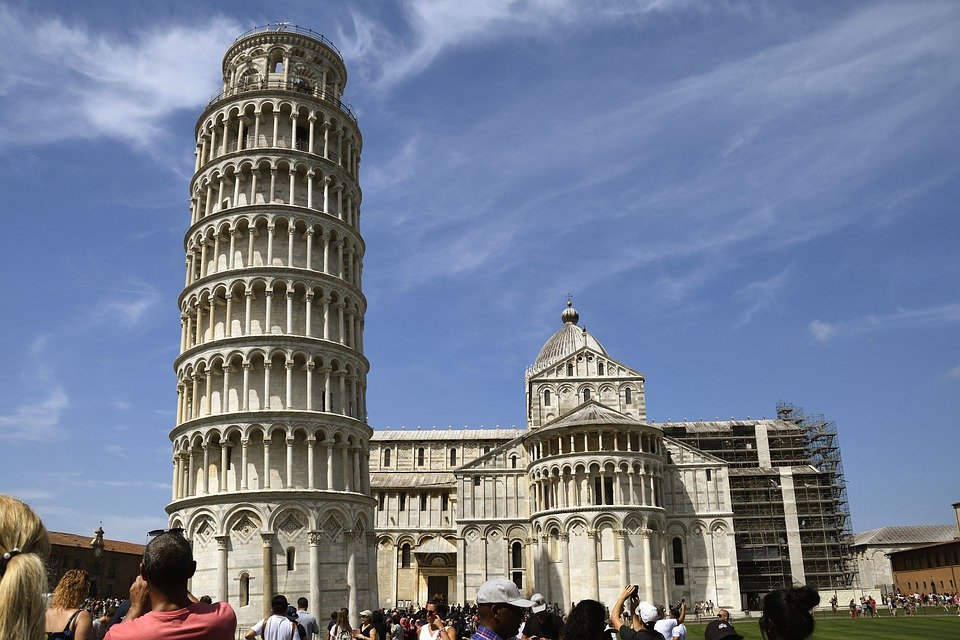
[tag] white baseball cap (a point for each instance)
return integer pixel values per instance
(539, 603)
(501, 591)
(647, 612)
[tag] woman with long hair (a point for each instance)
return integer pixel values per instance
(65, 617)
(787, 613)
(342, 630)
(24, 547)
(587, 621)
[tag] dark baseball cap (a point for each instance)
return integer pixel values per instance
(720, 630)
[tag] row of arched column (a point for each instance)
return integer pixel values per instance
(267, 306)
(262, 458)
(265, 180)
(589, 485)
(276, 381)
(280, 124)
(260, 241)
(596, 440)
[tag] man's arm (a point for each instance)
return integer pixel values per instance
(618, 608)
(683, 613)
(139, 599)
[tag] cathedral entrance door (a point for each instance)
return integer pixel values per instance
(438, 586)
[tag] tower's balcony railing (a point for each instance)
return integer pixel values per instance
(285, 27)
(297, 85)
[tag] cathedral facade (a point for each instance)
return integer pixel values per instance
(591, 496)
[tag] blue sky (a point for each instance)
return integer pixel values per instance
(749, 201)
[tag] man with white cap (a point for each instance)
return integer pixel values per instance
(643, 616)
(500, 610)
(543, 624)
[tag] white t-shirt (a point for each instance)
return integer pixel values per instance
(680, 631)
(663, 627)
(277, 628)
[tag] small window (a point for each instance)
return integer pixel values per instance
(405, 555)
(423, 502)
(677, 551)
(386, 457)
(453, 457)
(403, 502)
(546, 398)
(586, 394)
(709, 475)
(600, 369)
(421, 456)
(476, 481)
(444, 502)
(569, 369)
(291, 559)
(628, 396)
(486, 450)
(513, 462)
(244, 589)
(678, 575)
(516, 555)
(381, 500)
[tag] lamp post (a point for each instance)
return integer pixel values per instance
(97, 545)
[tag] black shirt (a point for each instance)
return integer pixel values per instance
(551, 628)
(628, 633)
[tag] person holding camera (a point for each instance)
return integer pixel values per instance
(643, 616)
(667, 625)
(543, 624)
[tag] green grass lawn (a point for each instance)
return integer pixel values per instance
(943, 627)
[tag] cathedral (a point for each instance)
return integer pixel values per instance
(282, 486)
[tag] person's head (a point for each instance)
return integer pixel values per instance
(72, 590)
(437, 608)
(723, 614)
(786, 613)
(647, 613)
(539, 607)
(587, 621)
(24, 547)
(500, 607)
(206, 599)
(365, 617)
(721, 630)
(333, 616)
(278, 605)
(343, 620)
(302, 603)
(168, 562)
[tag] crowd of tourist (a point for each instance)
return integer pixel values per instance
(161, 606)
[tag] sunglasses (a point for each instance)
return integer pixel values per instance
(177, 531)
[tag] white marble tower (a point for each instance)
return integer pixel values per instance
(270, 448)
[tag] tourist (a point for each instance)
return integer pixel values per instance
(721, 629)
(306, 619)
(24, 547)
(787, 613)
(676, 616)
(500, 610)
(643, 616)
(342, 629)
(66, 618)
(102, 623)
(161, 606)
(587, 621)
(282, 624)
(543, 623)
(436, 626)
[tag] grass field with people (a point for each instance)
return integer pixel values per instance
(831, 627)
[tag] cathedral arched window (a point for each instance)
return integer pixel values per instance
(244, 589)
(386, 457)
(453, 457)
(586, 394)
(628, 396)
(569, 369)
(546, 398)
(678, 577)
(516, 563)
(600, 369)
(421, 456)
(405, 555)
(291, 559)
(513, 462)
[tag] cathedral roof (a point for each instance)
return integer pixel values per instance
(568, 340)
(912, 535)
(418, 434)
(401, 479)
(592, 412)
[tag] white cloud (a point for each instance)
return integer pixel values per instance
(69, 81)
(938, 316)
(762, 295)
(35, 421)
(954, 374)
(29, 495)
(116, 450)
(121, 405)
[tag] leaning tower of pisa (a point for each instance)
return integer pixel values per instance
(270, 448)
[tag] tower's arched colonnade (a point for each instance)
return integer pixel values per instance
(271, 445)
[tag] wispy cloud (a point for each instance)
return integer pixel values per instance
(71, 81)
(939, 316)
(35, 420)
(762, 295)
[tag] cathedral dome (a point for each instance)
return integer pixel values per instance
(569, 339)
